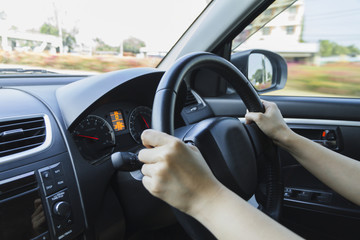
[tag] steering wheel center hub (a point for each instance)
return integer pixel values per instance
(228, 150)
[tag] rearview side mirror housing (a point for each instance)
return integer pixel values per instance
(267, 71)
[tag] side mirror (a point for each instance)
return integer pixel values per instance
(260, 72)
(267, 71)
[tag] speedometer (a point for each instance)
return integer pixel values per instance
(140, 119)
(94, 138)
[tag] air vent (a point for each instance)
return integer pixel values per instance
(190, 99)
(21, 135)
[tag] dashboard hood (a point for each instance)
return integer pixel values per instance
(77, 96)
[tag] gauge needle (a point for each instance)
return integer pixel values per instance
(95, 138)
(147, 125)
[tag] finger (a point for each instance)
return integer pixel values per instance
(153, 138)
(149, 155)
(152, 155)
(146, 180)
(248, 121)
(37, 217)
(38, 209)
(252, 117)
(147, 170)
(37, 202)
(192, 147)
(268, 105)
(264, 101)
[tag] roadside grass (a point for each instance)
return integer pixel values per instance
(103, 63)
(340, 79)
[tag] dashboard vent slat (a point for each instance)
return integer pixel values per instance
(20, 135)
(19, 149)
(190, 99)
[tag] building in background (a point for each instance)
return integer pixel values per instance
(14, 39)
(283, 34)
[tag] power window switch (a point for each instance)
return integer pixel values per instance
(288, 193)
(303, 196)
(323, 198)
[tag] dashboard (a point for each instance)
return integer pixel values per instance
(57, 134)
(111, 128)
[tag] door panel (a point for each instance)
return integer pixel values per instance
(310, 208)
(294, 107)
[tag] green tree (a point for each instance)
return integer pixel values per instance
(329, 48)
(354, 50)
(258, 76)
(133, 45)
(326, 48)
(68, 38)
(102, 46)
(50, 29)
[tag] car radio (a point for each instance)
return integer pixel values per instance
(36, 205)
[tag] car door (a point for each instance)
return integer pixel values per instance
(320, 102)
(310, 208)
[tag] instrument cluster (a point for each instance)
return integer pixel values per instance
(111, 128)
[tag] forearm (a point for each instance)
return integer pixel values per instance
(337, 171)
(228, 216)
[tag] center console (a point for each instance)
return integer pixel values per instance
(40, 201)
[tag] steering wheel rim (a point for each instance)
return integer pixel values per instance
(163, 118)
(165, 97)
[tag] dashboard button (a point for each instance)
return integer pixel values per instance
(59, 184)
(62, 209)
(46, 175)
(49, 187)
(57, 171)
(69, 221)
(44, 236)
(304, 196)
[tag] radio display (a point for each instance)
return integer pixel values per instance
(22, 213)
(117, 121)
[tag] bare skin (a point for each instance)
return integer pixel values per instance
(335, 170)
(178, 174)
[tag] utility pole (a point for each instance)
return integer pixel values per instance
(58, 24)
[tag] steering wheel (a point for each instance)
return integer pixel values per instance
(240, 155)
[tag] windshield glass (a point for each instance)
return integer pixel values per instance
(260, 22)
(79, 36)
(321, 45)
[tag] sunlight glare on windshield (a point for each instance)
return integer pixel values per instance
(92, 35)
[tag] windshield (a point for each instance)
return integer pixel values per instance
(79, 36)
(260, 22)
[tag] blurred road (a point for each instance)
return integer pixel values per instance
(61, 71)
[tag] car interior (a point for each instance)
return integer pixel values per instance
(68, 143)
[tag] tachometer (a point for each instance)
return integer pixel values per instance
(94, 138)
(140, 119)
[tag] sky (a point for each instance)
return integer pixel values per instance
(158, 22)
(161, 22)
(337, 21)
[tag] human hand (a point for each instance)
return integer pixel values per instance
(38, 217)
(176, 173)
(271, 123)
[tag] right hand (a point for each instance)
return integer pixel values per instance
(176, 173)
(271, 122)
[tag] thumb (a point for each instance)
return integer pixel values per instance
(252, 117)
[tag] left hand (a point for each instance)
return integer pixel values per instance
(176, 173)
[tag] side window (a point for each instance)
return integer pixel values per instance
(320, 41)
